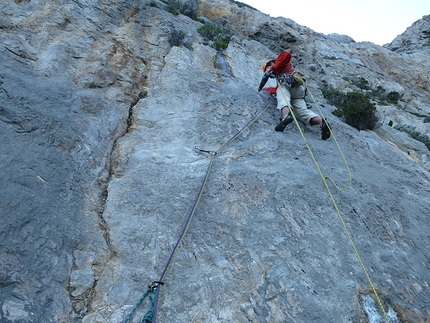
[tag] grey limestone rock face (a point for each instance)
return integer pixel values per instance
(99, 118)
(415, 38)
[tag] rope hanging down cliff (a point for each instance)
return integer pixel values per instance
(154, 288)
(324, 179)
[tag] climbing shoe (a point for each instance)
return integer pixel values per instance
(284, 122)
(325, 131)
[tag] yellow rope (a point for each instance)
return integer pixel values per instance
(338, 147)
(324, 179)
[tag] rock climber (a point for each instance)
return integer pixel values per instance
(290, 92)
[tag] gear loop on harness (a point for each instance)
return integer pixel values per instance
(283, 79)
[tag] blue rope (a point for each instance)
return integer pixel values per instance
(248, 124)
(150, 313)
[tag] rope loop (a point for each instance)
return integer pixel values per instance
(150, 313)
(324, 179)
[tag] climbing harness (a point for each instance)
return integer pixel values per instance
(292, 76)
(154, 289)
(324, 179)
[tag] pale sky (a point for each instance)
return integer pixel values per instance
(377, 21)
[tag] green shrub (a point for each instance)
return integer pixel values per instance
(354, 108)
(173, 6)
(222, 43)
(188, 11)
(393, 97)
(357, 111)
(217, 36)
(332, 95)
(188, 45)
(176, 37)
(379, 94)
(361, 83)
(209, 32)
